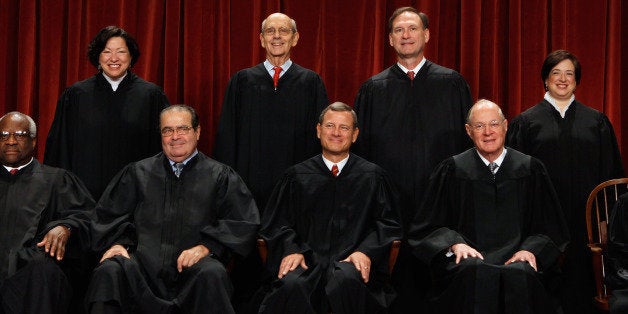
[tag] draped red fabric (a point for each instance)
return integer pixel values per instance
(192, 48)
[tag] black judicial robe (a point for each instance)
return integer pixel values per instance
(516, 210)
(157, 215)
(35, 200)
(580, 151)
(327, 218)
(96, 131)
(616, 275)
(408, 127)
(263, 131)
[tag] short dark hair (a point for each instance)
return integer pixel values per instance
(399, 11)
(339, 106)
(555, 58)
(97, 45)
(181, 107)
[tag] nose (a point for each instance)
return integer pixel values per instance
(486, 130)
(11, 140)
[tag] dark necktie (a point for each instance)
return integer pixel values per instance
(334, 170)
(178, 167)
(276, 76)
(411, 75)
(13, 171)
(493, 166)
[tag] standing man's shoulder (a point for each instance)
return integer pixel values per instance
(435, 71)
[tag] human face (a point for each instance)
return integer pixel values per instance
(487, 129)
(115, 59)
(336, 134)
(178, 146)
(408, 36)
(561, 81)
(16, 151)
(278, 45)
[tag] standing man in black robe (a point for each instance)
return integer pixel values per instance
(267, 125)
(269, 112)
(411, 118)
(42, 210)
(329, 225)
(169, 224)
(491, 227)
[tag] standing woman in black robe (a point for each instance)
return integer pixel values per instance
(108, 120)
(577, 144)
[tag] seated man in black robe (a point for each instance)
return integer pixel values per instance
(170, 223)
(42, 209)
(491, 227)
(617, 262)
(329, 225)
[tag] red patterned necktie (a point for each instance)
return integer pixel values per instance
(334, 170)
(411, 75)
(276, 76)
(13, 171)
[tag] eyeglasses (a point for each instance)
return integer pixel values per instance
(19, 136)
(272, 31)
(479, 127)
(181, 130)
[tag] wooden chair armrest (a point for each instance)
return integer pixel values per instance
(262, 249)
(392, 257)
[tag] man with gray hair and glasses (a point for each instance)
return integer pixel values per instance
(491, 227)
(43, 222)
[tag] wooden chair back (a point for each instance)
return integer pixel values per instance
(599, 205)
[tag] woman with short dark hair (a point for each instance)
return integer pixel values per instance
(577, 144)
(108, 120)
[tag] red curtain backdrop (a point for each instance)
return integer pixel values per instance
(192, 48)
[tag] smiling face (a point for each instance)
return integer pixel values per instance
(115, 58)
(16, 151)
(178, 147)
(278, 37)
(487, 128)
(561, 81)
(337, 133)
(408, 35)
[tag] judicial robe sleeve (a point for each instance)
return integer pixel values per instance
(611, 164)
(237, 217)
(113, 223)
(430, 233)
(386, 218)
(58, 147)
(74, 208)
(278, 223)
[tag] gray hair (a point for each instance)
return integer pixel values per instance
(339, 106)
(32, 127)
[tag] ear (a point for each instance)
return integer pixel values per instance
(427, 35)
(468, 129)
(318, 130)
(390, 39)
(295, 39)
(198, 132)
(261, 40)
(355, 135)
